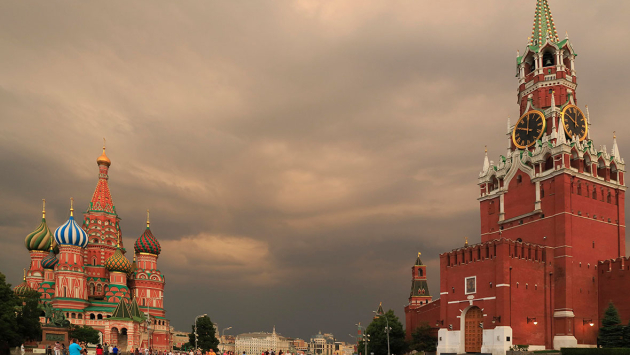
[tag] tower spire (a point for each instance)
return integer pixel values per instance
(71, 207)
(544, 28)
(148, 222)
(43, 208)
(486, 163)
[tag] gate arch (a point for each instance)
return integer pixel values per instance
(473, 331)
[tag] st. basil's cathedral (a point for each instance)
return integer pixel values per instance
(552, 250)
(84, 273)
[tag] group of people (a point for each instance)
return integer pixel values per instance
(75, 348)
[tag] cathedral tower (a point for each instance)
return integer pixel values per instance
(419, 289)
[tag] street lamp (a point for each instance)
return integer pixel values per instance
(387, 329)
(201, 316)
(223, 339)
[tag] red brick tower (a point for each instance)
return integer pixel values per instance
(419, 289)
(555, 188)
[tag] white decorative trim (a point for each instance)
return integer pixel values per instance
(443, 293)
(475, 299)
(563, 314)
(502, 285)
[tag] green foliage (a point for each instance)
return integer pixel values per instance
(611, 333)
(84, 333)
(28, 317)
(595, 351)
(519, 348)
(423, 339)
(378, 337)
(206, 337)
(9, 331)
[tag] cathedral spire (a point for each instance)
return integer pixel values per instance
(102, 198)
(615, 148)
(544, 28)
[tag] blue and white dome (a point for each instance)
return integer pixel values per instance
(70, 233)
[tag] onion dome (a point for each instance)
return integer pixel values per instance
(23, 288)
(103, 159)
(41, 237)
(50, 260)
(147, 243)
(118, 262)
(70, 233)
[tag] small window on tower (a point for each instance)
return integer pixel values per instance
(519, 179)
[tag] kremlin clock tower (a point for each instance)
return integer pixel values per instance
(552, 249)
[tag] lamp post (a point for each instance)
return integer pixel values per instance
(223, 339)
(387, 329)
(201, 316)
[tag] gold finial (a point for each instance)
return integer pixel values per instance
(103, 144)
(486, 148)
(614, 135)
(44, 208)
(148, 223)
(134, 258)
(118, 240)
(24, 278)
(419, 253)
(466, 243)
(71, 208)
(103, 159)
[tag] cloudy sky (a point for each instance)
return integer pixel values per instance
(295, 155)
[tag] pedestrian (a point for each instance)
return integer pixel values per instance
(137, 352)
(74, 348)
(115, 350)
(99, 350)
(110, 349)
(105, 349)
(49, 350)
(22, 349)
(63, 349)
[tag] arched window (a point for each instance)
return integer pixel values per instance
(80, 316)
(575, 160)
(609, 197)
(587, 164)
(548, 59)
(594, 193)
(519, 179)
(601, 168)
(579, 188)
(420, 273)
(613, 172)
(92, 316)
(100, 316)
(73, 315)
(548, 163)
(542, 191)
(99, 288)
(94, 261)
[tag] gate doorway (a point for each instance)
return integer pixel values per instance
(473, 331)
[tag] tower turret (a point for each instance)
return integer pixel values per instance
(38, 243)
(419, 288)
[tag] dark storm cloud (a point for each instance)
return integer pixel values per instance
(295, 154)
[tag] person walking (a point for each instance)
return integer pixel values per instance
(106, 349)
(136, 352)
(22, 349)
(64, 351)
(74, 348)
(115, 350)
(99, 350)
(110, 350)
(57, 348)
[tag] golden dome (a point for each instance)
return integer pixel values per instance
(103, 159)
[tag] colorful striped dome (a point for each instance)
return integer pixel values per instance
(50, 260)
(118, 262)
(71, 234)
(39, 239)
(22, 289)
(147, 243)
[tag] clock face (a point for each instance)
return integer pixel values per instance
(574, 122)
(529, 128)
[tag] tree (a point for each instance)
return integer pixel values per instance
(423, 339)
(84, 333)
(611, 332)
(378, 337)
(206, 336)
(28, 316)
(9, 332)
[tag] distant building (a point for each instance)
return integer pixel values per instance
(179, 338)
(259, 342)
(341, 348)
(322, 344)
(299, 345)
(228, 343)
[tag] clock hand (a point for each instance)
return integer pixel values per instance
(523, 129)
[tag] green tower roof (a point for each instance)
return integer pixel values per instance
(544, 28)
